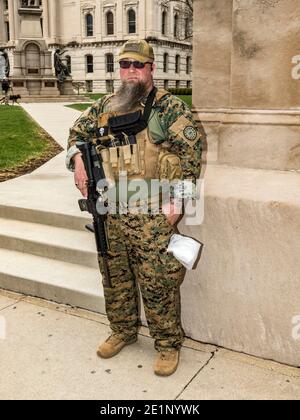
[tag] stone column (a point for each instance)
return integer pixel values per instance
(53, 20)
(142, 17)
(46, 19)
(2, 24)
(11, 13)
(119, 10)
(17, 19)
(244, 294)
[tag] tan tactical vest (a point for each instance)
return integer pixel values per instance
(144, 160)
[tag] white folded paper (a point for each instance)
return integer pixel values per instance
(185, 250)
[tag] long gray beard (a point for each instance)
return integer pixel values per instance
(128, 97)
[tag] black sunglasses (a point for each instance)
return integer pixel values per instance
(124, 64)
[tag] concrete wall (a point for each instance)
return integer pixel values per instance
(244, 294)
(212, 53)
(265, 38)
(243, 53)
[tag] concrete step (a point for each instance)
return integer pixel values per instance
(57, 281)
(35, 215)
(68, 245)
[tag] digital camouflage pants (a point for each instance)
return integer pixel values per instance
(138, 254)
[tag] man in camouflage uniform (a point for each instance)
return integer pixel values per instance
(138, 241)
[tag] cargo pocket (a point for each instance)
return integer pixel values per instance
(169, 271)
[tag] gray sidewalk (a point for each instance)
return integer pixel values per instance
(55, 118)
(48, 351)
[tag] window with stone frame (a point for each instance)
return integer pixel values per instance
(30, 3)
(109, 60)
(7, 30)
(177, 64)
(110, 30)
(131, 21)
(187, 29)
(164, 22)
(166, 63)
(89, 63)
(89, 25)
(176, 25)
(188, 65)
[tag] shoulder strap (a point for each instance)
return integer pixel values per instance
(106, 99)
(135, 122)
(148, 106)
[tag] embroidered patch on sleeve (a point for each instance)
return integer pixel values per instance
(190, 133)
(184, 128)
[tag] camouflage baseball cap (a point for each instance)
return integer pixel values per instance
(138, 49)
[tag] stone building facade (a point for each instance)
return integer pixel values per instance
(92, 31)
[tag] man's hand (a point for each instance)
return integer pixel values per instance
(172, 211)
(80, 175)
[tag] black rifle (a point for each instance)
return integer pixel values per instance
(95, 173)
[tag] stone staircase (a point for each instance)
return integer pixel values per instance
(49, 257)
(45, 250)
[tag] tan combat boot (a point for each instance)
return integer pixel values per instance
(112, 346)
(166, 362)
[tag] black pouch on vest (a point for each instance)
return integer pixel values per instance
(129, 124)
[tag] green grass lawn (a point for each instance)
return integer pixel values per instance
(82, 107)
(187, 99)
(20, 138)
(95, 96)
